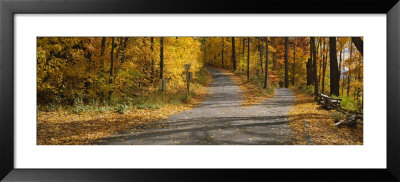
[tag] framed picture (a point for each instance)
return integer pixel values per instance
(133, 90)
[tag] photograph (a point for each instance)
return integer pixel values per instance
(197, 90)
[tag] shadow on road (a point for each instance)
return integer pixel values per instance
(220, 119)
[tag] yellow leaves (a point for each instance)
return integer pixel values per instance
(67, 128)
(87, 127)
(319, 125)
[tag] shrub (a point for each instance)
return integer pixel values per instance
(121, 108)
(102, 109)
(349, 103)
(78, 106)
(175, 101)
(78, 109)
(308, 89)
(184, 97)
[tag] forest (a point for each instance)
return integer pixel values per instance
(130, 79)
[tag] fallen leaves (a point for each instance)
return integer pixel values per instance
(67, 128)
(319, 125)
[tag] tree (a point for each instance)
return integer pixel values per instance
(324, 63)
(286, 63)
(273, 61)
(90, 69)
(103, 47)
(358, 43)
(266, 64)
(334, 75)
(294, 60)
(233, 54)
(314, 62)
(260, 50)
(349, 76)
(161, 57)
(244, 45)
(310, 65)
(340, 68)
(248, 58)
(321, 54)
(152, 57)
(222, 51)
(309, 71)
(110, 93)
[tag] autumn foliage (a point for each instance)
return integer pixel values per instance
(92, 70)
(92, 87)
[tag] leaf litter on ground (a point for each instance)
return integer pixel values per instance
(68, 128)
(320, 126)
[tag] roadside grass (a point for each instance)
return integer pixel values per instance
(253, 91)
(84, 123)
(347, 103)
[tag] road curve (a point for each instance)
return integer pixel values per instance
(219, 120)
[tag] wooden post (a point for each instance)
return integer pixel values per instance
(187, 80)
(188, 76)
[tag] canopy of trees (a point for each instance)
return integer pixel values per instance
(98, 69)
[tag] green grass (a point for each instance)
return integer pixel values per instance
(349, 103)
(307, 90)
(121, 108)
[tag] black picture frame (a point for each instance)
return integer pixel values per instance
(9, 8)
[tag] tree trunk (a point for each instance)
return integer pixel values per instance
(244, 45)
(152, 57)
(103, 47)
(294, 62)
(311, 66)
(112, 59)
(324, 63)
(286, 63)
(358, 43)
(318, 46)
(238, 60)
(273, 61)
(222, 52)
(248, 58)
(349, 76)
(161, 57)
(309, 71)
(314, 57)
(119, 49)
(110, 93)
(340, 69)
(321, 54)
(260, 49)
(266, 64)
(334, 78)
(120, 59)
(233, 54)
